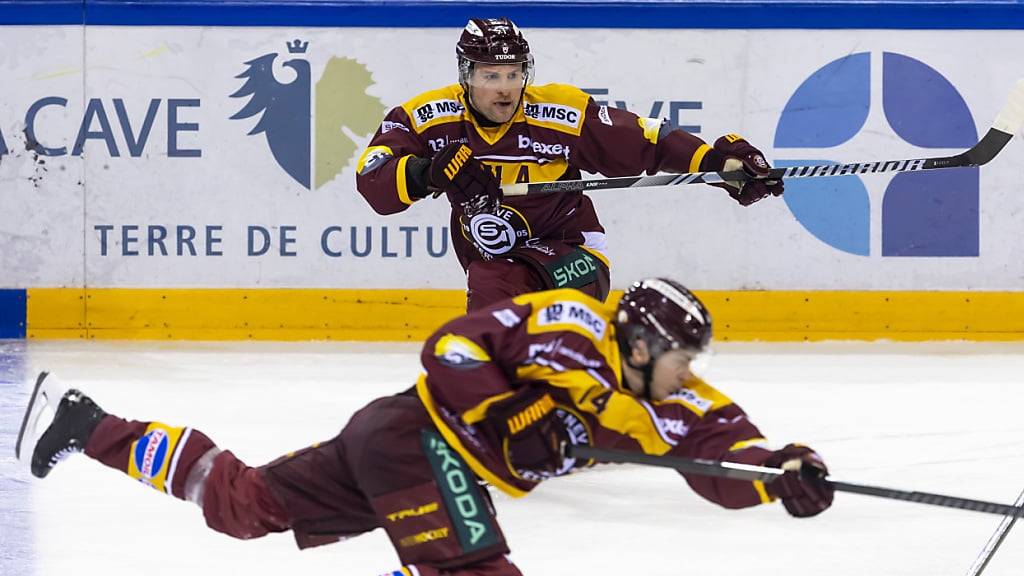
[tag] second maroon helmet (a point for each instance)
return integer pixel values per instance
(492, 41)
(665, 315)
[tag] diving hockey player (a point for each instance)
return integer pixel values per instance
(504, 389)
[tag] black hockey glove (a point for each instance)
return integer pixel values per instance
(533, 433)
(468, 183)
(417, 177)
(732, 152)
(801, 488)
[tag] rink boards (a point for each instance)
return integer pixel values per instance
(147, 196)
(340, 314)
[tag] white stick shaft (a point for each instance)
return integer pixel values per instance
(997, 538)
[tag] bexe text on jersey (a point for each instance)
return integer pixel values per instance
(527, 143)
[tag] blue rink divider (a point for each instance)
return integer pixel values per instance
(12, 313)
(711, 14)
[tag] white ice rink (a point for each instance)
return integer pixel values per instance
(938, 417)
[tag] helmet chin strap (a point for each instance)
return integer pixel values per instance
(647, 370)
(626, 351)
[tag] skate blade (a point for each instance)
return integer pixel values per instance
(42, 407)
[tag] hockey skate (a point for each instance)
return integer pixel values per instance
(57, 423)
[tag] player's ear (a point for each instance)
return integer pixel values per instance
(639, 353)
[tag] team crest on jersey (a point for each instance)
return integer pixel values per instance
(436, 109)
(373, 157)
(573, 313)
(498, 233)
(459, 352)
(555, 114)
(578, 433)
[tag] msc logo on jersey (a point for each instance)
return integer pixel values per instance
(554, 113)
(573, 313)
(434, 110)
(286, 116)
(922, 213)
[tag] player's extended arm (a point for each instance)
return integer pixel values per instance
(726, 434)
(617, 142)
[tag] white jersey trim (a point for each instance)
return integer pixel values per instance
(174, 462)
(500, 158)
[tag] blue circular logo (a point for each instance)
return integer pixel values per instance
(151, 452)
(932, 213)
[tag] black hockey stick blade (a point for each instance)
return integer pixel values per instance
(33, 399)
(748, 472)
(1007, 123)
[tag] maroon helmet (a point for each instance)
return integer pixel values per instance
(492, 41)
(665, 315)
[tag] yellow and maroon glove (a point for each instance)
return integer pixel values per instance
(468, 183)
(801, 489)
(532, 432)
(731, 152)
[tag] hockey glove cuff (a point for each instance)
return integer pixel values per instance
(417, 177)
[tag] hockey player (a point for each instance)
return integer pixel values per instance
(493, 128)
(504, 389)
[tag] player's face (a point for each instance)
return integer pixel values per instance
(495, 90)
(671, 371)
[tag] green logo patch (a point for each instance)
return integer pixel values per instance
(574, 270)
(457, 483)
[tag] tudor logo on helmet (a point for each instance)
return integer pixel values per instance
(492, 41)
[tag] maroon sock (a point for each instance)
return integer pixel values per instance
(151, 452)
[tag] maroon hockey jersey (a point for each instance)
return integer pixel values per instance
(561, 344)
(556, 132)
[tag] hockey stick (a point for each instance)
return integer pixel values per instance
(997, 538)
(1009, 120)
(736, 471)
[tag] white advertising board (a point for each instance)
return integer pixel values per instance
(131, 164)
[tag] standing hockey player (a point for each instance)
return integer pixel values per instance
(493, 128)
(505, 388)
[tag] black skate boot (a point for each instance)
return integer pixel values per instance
(75, 416)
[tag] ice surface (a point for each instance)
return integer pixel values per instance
(935, 417)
